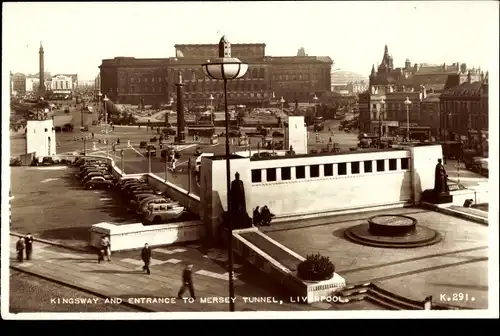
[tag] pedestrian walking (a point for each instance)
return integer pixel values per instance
(146, 257)
(187, 282)
(128, 143)
(28, 241)
(92, 135)
(20, 249)
(106, 246)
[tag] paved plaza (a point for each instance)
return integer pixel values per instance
(457, 264)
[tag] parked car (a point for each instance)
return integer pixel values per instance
(84, 128)
(142, 208)
(94, 122)
(159, 213)
(143, 144)
(93, 175)
(137, 199)
(92, 169)
(126, 179)
(15, 162)
(99, 183)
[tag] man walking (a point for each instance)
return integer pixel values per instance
(20, 249)
(146, 257)
(28, 241)
(187, 282)
(106, 246)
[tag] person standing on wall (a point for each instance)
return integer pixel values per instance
(28, 241)
(146, 257)
(187, 282)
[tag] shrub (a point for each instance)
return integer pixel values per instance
(315, 268)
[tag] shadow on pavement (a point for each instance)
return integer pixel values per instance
(113, 272)
(339, 233)
(80, 233)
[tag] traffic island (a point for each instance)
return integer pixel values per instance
(280, 264)
(392, 231)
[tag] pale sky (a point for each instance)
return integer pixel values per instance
(77, 36)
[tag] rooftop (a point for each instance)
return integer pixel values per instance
(359, 151)
(464, 89)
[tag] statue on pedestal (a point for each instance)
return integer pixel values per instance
(238, 207)
(440, 179)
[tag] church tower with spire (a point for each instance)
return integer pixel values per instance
(41, 85)
(387, 62)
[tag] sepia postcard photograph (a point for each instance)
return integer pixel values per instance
(256, 160)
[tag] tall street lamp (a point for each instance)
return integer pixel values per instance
(315, 100)
(99, 104)
(282, 101)
(407, 104)
(380, 112)
(106, 123)
(227, 68)
(211, 106)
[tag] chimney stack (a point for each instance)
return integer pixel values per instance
(468, 77)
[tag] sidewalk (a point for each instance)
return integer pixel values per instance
(123, 278)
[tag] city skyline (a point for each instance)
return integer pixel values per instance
(354, 40)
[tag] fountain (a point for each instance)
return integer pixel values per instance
(393, 231)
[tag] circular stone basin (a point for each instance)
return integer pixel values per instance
(392, 225)
(392, 231)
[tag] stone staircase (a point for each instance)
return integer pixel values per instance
(384, 298)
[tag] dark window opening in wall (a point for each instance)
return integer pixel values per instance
(300, 172)
(405, 163)
(286, 173)
(380, 165)
(355, 167)
(328, 169)
(271, 174)
(393, 164)
(314, 171)
(368, 166)
(342, 168)
(256, 175)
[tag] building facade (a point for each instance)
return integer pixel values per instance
(384, 101)
(464, 114)
(130, 80)
(18, 85)
(64, 84)
(32, 83)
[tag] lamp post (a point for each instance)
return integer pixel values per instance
(407, 104)
(84, 145)
(380, 112)
(315, 99)
(282, 101)
(211, 106)
(106, 123)
(149, 159)
(122, 161)
(99, 104)
(227, 68)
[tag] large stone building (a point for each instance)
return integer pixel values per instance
(18, 84)
(464, 114)
(382, 106)
(128, 79)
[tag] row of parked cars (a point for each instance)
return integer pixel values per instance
(137, 195)
(144, 200)
(94, 174)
